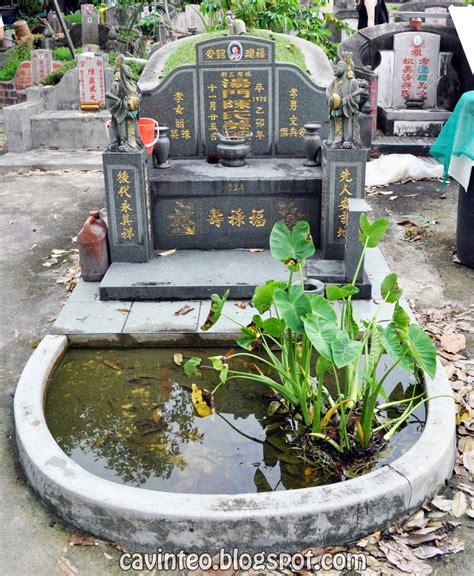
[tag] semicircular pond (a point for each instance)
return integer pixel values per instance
(126, 415)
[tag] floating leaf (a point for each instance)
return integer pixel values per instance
(115, 365)
(191, 366)
(178, 358)
(217, 304)
(291, 247)
(203, 401)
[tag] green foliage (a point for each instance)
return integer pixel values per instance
(56, 75)
(308, 21)
(63, 54)
(302, 324)
(136, 66)
(73, 18)
(15, 56)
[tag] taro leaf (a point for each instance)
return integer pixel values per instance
(260, 481)
(376, 350)
(249, 338)
(321, 308)
(291, 247)
(391, 292)
(221, 364)
(292, 306)
(191, 366)
(400, 318)
(217, 304)
(396, 346)
(322, 366)
(345, 350)
(340, 292)
(370, 234)
(274, 327)
(263, 295)
(321, 336)
(423, 349)
(203, 401)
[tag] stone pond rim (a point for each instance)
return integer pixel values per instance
(144, 520)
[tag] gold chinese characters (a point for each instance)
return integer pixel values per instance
(122, 181)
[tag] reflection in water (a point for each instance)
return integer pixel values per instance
(127, 416)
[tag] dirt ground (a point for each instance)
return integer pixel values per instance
(42, 212)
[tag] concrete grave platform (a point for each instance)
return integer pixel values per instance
(412, 123)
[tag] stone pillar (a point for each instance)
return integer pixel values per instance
(353, 248)
(343, 179)
(127, 192)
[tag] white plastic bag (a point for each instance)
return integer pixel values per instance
(398, 167)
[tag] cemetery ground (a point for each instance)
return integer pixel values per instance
(42, 211)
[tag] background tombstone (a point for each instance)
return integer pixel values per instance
(53, 21)
(193, 18)
(436, 21)
(41, 64)
(90, 24)
(415, 68)
(91, 69)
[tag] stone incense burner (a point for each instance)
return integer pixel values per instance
(233, 150)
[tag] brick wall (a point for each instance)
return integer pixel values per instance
(23, 76)
(10, 95)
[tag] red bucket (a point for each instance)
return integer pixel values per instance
(149, 132)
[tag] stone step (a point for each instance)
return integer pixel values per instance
(403, 145)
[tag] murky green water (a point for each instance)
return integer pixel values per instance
(127, 416)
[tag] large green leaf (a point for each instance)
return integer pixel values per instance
(423, 349)
(191, 366)
(345, 350)
(396, 346)
(292, 305)
(371, 234)
(291, 247)
(217, 304)
(400, 318)
(321, 336)
(274, 327)
(340, 292)
(391, 291)
(263, 295)
(321, 308)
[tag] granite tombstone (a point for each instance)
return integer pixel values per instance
(433, 21)
(415, 69)
(90, 25)
(41, 64)
(237, 87)
(91, 70)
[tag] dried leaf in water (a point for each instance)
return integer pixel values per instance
(459, 504)
(203, 401)
(156, 415)
(113, 364)
(453, 343)
(178, 358)
(167, 252)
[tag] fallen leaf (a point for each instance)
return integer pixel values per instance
(167, 252)
(425, 552)
(113, 364)
(453, 343)
(404, 559)
(178, 358)
(409, 224)
(108, 556)
(123, 309)
(468, 463)
(183, 311)
(442, 503)
(459, 504)
(242, 305)
(33, 247)
(67, 567)
(418, 520)
(79, 540)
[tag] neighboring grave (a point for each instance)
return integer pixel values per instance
(194, 18)
(416, 65)
(90, 25)
(41, 64)
(236, 86)
(91, 69)
(436, 21)
(53, 21)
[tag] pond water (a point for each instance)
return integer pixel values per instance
(126, 416)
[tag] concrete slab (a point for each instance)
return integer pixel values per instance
(92, 318)
(191, 274)
(152, 317)
(84, 292)
(50, 160)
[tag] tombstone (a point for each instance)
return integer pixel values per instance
(91, 70)
(127, 194)
(415, 70)
(436, 21)
(90, 24)
(53, 21)
(41, 64)
(194, 18)
(245, 91)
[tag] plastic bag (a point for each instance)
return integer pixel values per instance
(398, 167)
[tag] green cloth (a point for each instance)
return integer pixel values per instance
(457, 135)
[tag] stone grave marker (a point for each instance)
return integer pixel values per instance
(415, 69)
(41, 64)
(193, 18)
(236, 86)
(90, 24)
(91, 69)
(436, 21)
(53, 21)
